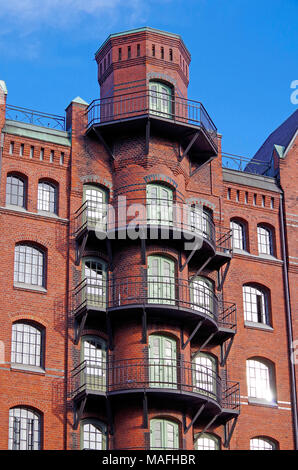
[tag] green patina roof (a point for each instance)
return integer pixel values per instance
(3, 86)
(37, 132)
(140, 30)
(280, 150)
(79, 100)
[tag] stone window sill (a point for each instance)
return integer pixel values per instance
(258, 326)
(262, 402)
(30, 287)
(27, 368)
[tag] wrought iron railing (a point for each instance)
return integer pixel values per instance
(153, 373)
(157, 104)
(100, 294)
(223, 239)
(247, 165)
(38, 118)
(149, 212)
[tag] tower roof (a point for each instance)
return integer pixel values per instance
(141, 30)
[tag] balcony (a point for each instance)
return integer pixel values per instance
(126, 220)
(181, 382)
(183, 120)
(163, 297)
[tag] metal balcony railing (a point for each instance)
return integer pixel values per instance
(154, 374)
(129, 213)
(156, 104)
(38, 118)
(100, 294)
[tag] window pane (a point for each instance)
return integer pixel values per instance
(207, 442)
(24, 429)
(255, 305)
(15, 191)
(26, 344)
(29, 265)
(259, 443)
(47, 195)
(258, 380)
(93, 437)
(264, 240)
(238, 235)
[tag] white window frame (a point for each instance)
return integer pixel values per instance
(29, 266)
(26, 345)
(262, 443)
(47, 200)
(259, 375)
(238, 235)
(207, 441)
(255, 305)
(24, 429)
(265, 245)
(93, 435)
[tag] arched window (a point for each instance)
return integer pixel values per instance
(202, 295)
(164, 434)
(95, 206)
(161, 280)
(260, 380)
(162, 362)
(262, 443)
(94, 273)
(201, 221)
(161, 100)
(94, 356)
(159, 204)
(239, 237)
(93, 435)
(47, 200)
(265, 240)
(29, 266)
(255, 304)
(207, 441)
(205, 374)
(26, 344)
(16, 190)
(24, 429)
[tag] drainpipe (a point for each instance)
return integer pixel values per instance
(289, 321)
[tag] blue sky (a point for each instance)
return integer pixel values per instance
(244, 55)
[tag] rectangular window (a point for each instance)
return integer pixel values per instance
(272, 203)
(237, 195)
(61, 158)
(171, 55)
(11, 148)
(21, 150)
(119, 53)
(246, 197)
(229, 194)
(153, 50)
(138, 50)
(41, 156)
(255, 200)
(263, 201)
(162, 53)
(51, 156)
(128, 52)
(31, 151)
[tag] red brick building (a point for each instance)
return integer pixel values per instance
(148, 291)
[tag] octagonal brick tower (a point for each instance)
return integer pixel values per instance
(152, 330)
